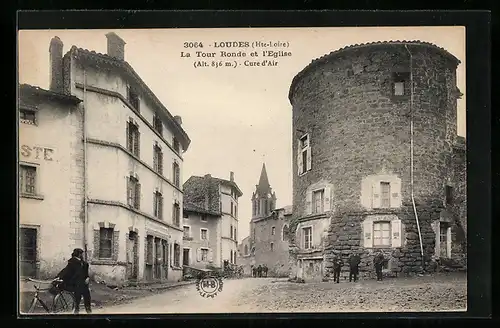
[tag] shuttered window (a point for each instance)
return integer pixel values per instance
(177, 255)
(176, 214)
(157, 159)
(385, 194)
(157, 124)
(307, 235)
(204, 254)
(318, 201)
(176, 174)
(133, 192)
(133, 138)
(304, 160)
(382, 234)
(27, 179)
(105, 243)
(158, 205)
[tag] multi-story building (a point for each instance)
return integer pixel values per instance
(125, 183)
(220, 198)
(378, 165)
(268, 240)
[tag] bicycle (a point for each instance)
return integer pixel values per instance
(63, 301)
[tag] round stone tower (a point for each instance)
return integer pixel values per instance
(374, 124)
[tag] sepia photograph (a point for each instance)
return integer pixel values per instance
(242, 170)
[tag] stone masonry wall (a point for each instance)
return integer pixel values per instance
(358, 128)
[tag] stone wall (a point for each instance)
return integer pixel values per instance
(358, 128)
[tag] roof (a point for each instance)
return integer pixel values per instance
(100, 58)
(27, 90)
(333, 54)
(263, 185)
(188, 207)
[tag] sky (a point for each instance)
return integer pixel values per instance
(236, 117)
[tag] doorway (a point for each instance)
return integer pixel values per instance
(28, 252)
(185, 257)
(132, 258)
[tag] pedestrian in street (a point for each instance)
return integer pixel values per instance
(378, 262)
(354, 261)
(337, 267)
(254, 271)
(264, 270)
(259, 271)
(75, 277)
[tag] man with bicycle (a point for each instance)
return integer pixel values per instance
(75, 277)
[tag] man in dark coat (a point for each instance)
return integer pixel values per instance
(354, 261)
(378, 262)
(75, 277)
(337, 267)
(259, 271)
(264, 270)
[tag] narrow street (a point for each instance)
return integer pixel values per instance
(440, 293)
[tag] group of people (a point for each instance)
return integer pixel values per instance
(353, 261)
(259, 271)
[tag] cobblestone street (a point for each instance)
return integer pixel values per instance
(436, 293)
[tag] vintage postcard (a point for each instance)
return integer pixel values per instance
(242, 170)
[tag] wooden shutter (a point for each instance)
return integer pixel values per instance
(309, 202)
(137, 149)
(300, 164)
(376, 194)
(395, 194)
(208, 234)
(137, 195)
(128, 136)
(368, 234)
(160, 206)
(396, 233)
(327, 205)
(129, 192)
(198, 254)
(308, 157)
(435, 227)
(210, 255)
(160, 162)
(448, 241)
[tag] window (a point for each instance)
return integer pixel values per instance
(449, 195)
(176, 214)
(382, 234)
(133, 98)
(158, 205)
(232, 208)
(203, 218)
(157, 124)
(307, 233)
(385, 197)
(234, 257)
(304, 155)
(176, 145)
(235, 233)
(185, 215)
(27, 116)
(231, 232)
(231, 256)
(157, 159)
(177, 255)
(27, 177)
(273, 231)
(284, 234)
(443, 239)
(133, 138)
(246, 249)
(318, 201)
(204, 255)
(258, 206)
(134, 192)
(203, 234)
(187, 232)
(177, 174)
(235, 211)
(105, 243)
(400, 83)
(272, 247)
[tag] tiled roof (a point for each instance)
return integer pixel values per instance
(188, 207)
(30, 90)
(126, 68)
(335, 53)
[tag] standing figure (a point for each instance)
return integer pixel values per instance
(259, 271)
(264, 270)
(337, 267)
(254, 271)
(378, 262)
(354, 267)
(75, 277)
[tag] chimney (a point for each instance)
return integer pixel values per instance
(208, 176)
(56, 64)
(116, 46)
(231, 176)
(178, 119)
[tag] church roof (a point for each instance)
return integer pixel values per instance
(263, 186)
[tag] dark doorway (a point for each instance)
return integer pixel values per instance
(132, 258)
(28, 252)
(185, 256)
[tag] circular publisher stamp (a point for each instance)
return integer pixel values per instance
(209, 286)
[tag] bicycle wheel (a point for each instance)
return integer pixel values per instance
(64, 302)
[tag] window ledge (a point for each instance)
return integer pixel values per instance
(176, 267)
(32, 196)
(187, 238)
(105, 262)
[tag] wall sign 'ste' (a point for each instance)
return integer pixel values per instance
(37, 152)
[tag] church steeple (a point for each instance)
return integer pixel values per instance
(263, 199)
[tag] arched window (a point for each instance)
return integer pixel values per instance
(284, 233)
